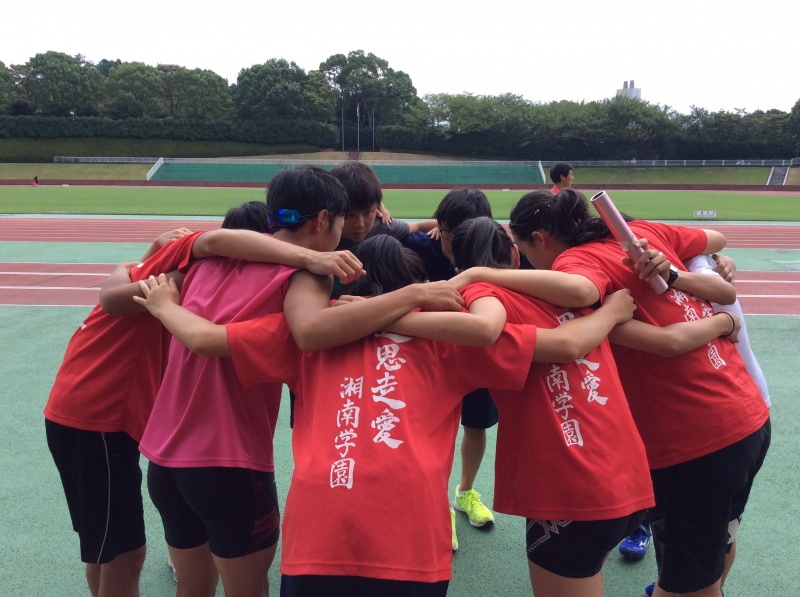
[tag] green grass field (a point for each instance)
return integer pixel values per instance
(662, 205)
(678, 175)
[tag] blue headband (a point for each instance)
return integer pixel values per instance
(286, 218)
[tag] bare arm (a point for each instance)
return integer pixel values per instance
(316, 326)
(677, 338)
(715, 243)
(424, 226)
(556, 288)
(574, 339)
(163, 239)
(711, 288)
(160, 296)
(118, 290)
(480, 327)
(253, 246)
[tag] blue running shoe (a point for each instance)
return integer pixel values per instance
(648, 590)
(634, 546)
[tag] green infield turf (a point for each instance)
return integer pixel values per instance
(681, 175)
(663, 205)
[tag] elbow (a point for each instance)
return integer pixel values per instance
(670, 349)
(203, 344)
(114, 305)
(571, 350)
(581, 294)
(486, 335)
(307, 340)
(727, 296)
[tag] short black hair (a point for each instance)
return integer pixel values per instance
(251, 215)
(462, 204)
(558, 170)
(388, 264)
(361, 183)
(481, 242)
(308, 190)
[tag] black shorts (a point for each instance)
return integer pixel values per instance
(234, 509)
(699, 505)
(576, 548)
(103, 486)
(358, 586)
(478, 410)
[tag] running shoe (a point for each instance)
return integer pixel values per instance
(470, 503)
(648, 590)
(453, 526)
(635, 545)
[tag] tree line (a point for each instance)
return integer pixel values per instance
(57, 95)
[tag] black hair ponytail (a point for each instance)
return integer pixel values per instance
(566, 215)
(481, 242)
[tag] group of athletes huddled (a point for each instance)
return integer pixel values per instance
(618, 410)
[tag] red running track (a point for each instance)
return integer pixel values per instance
(760, 293)
(78, 284)
(145, 230)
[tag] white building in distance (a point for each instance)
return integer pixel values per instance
(630, 90)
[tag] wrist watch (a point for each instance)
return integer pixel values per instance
(673, 275)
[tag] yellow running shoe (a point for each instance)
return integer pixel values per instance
(453, 525)
(470, 503)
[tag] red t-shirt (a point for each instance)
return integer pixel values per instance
(113, 365)
(567, 446)
(375, 426)
(688, 405)
(555, 190)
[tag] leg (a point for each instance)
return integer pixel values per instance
(93, 578)
(729, 558)
(247, 576)
(197, 575)
(548, 584)
(473, 447)
(102, 483)
(478, 413)
(120, 576)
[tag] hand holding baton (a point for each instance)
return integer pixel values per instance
(623, 235)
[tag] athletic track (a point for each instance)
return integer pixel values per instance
(760, 293)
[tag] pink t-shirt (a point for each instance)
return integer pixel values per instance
(203, 416)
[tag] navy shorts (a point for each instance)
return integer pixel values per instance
(699, 506)
(358, 586)
(103, 486)
(235, 510)
(478, 410)
(576, 548)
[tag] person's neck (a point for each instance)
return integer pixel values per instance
(293, 238)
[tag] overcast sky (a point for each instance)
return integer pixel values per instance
(710, 53)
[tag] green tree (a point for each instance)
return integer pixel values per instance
(202, 93)
(319, 99)
(6, 87)
(134, 90)
(365, 85)
(269, 91)
(56, 84)
(106, 65)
